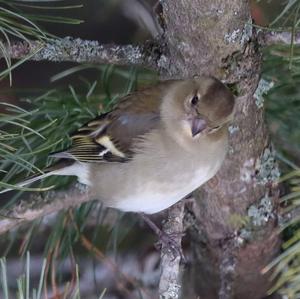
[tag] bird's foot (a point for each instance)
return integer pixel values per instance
(167, 241)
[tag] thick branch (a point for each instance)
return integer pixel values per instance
(274, 38)
(215, 37)
(85, 51)
(37, 206)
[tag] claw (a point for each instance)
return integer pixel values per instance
(167, 241)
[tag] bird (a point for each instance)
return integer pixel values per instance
(155, 147)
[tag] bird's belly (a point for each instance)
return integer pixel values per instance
(154, 196)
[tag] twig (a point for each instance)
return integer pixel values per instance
(170, 279)
(272, 38)
(56, 293)
(110, 264)
(36, 206)
(86, 51)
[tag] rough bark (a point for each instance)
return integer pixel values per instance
(171, 272)
(85, 51)
(213, 37)
(200, 34)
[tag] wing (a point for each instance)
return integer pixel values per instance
(110, 137)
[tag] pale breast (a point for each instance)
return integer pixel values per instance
(152, 181)
(153, 197)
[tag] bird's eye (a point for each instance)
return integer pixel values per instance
(195, 100)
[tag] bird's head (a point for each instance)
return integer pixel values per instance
(198, 106)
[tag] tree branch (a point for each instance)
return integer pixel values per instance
(86, 51)
(170, 279)
(273, 38)
(36, 206)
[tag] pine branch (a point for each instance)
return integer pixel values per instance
(37, 206)
(86, 51)
(170, 279)
(274, 38)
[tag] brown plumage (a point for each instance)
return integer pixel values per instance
(155, 147)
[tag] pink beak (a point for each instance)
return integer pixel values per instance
(198, 125)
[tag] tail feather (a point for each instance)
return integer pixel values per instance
(143, 15)
(58, 168)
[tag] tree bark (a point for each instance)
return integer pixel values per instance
(84, 51)
(170, 278)
(38, 206)
(233, 236)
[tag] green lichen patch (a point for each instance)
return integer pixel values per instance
(262, 212)
(258, 215)
(79, 50)
(247, 32)
(233, 36)
(263, 87)
(242, 36)
(266, 168)
(233, 129)
(245, 234)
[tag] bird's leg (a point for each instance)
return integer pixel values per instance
(166, 239)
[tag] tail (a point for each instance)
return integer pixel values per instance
(143, 15)
(62, 167)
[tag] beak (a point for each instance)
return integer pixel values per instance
(198, 125)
